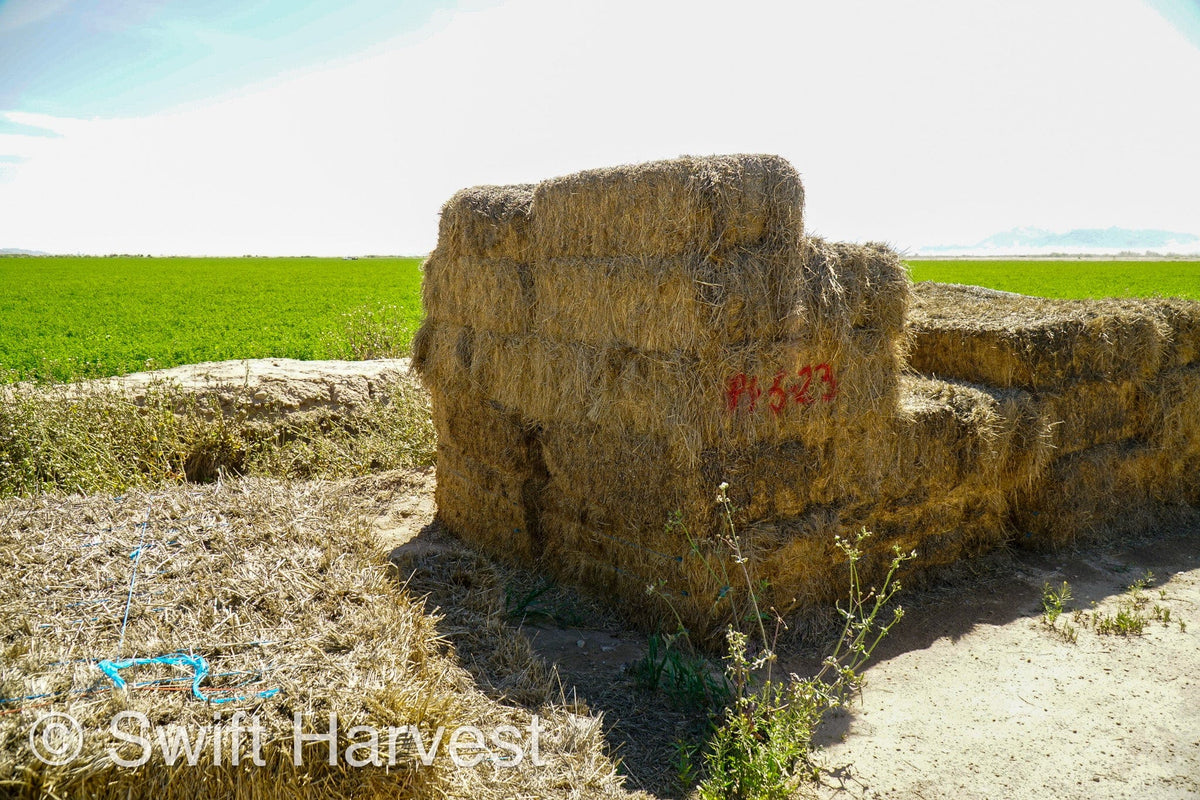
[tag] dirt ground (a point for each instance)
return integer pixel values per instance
(972, 696)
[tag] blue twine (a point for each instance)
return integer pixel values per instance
(199, 666)
(136, 555)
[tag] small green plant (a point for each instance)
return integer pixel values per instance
(672, 664)
(1054, 601)
(761, 745)
(527, 604)
(1131, 617)
(1142, 583)
(1126, 622)
(685, 764)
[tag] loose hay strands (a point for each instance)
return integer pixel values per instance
(281, 590)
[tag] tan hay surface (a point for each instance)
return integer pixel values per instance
(1007, 340)
(708, 306)
(1091, 413)
(490, 503)
(685, 206)
(495, 294)
(952, 435)
(685, 398)
(1176, 405)
(487, 222)
(278, 586)
(480, 429)
(1105, 490)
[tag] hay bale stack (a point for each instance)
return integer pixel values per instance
(1111, 489)
(1117, 381)
(605, 348)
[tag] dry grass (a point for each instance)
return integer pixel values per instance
(279, 586)
(102, 438)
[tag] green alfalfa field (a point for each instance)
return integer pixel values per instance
(84, 317)
(63, 318)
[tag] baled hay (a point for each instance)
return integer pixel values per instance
(277, 586)
(486, 222)
(688, 206)
(1113, 488)
(951, 435)
(1176, 428)
(962, 523)
(492, 293)
(490, 507)
(781, 390)
(1091, 413)
(704, 306)
(864, 286)
(1006, 340)
(774, 480)
(1183, 319)
(480, 429)
(634, 481)
(693, 577)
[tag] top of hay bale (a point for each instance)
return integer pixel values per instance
(1008, 340)
(684, 206)
(487, 222)
(693, 206)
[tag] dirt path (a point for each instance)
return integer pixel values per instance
(976, 698)
(971, 697)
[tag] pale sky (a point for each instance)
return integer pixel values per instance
(257, 128)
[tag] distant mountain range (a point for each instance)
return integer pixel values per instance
(15, 251)
(1104, 241)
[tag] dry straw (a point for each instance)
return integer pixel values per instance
(282, 590)
(1004, 339)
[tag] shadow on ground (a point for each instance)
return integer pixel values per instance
(528, 641)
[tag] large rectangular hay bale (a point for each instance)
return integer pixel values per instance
(491, 293)
(687, 206)
(1010, 340)
(487, 222)
(704, 305)
(1176, 413)
(481, 429)
(950, 435)
(1091, 413)
(1126, 486)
